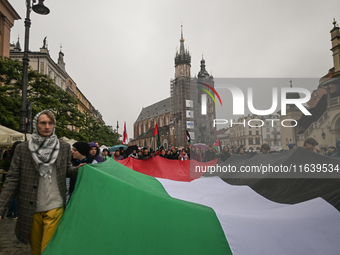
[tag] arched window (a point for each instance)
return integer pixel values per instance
(165, 144)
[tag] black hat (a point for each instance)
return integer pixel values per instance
(83, 148)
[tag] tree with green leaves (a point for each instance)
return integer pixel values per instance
(41, 92)
(92, 130)
(10, 92)
(45, 95)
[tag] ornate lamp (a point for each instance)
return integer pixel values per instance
(40, 8)
(323, 135)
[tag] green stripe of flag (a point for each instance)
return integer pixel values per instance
(115, 210)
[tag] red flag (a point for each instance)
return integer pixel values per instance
(156, 135)
(125, 137)
(216, 146)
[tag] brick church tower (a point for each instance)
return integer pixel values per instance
(180, 92)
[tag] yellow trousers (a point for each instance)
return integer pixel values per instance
(44, 224)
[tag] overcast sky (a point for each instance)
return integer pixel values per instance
(121, 53)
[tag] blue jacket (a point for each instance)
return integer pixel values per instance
(290, 146)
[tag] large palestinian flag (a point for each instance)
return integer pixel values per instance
(117, 210)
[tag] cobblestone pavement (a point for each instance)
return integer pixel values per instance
(9, 244)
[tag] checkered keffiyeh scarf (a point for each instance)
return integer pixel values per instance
(44, 149)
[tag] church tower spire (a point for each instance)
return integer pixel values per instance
(203, 74)
(17, 46)
(61, 62)
(335, 39)
(182, 59)
(182, 50)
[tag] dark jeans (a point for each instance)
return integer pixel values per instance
(13, 208)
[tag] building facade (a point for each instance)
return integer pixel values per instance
(246, 131)
(224, 136)
(180, 112)
(7, 17)
(324, 105)
(42, 62)
(144, 126)
(271, 131)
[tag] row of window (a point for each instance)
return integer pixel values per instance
(52, 75)
(268, 130)
(250, 133)
(250, 141)
(267, 123)
(275, 136)
(150, 124)
(144, 143)
(242, 127)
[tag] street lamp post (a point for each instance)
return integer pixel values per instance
(43, 10)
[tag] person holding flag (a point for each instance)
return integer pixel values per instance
(217, 147)
(156, 136)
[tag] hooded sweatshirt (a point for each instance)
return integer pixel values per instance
(96, 157)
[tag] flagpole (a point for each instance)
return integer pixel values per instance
(151, 143)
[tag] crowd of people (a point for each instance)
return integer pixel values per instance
(211, 153)
(172, 154)
(35, 189)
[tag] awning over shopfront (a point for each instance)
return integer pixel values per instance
(9, 136)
